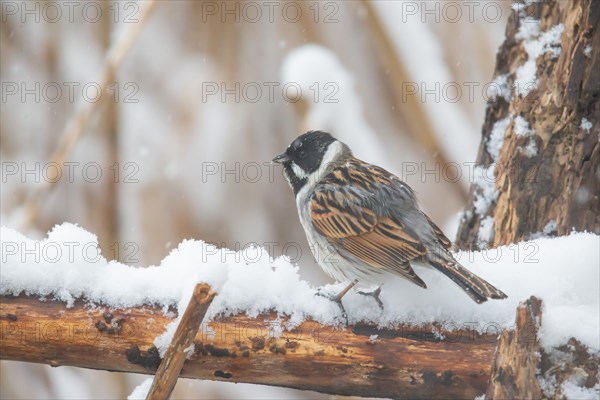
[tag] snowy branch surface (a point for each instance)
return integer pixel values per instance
(266, 325)
(66, 266)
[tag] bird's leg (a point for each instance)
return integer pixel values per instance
(337, 299)
(375, 294)
(341, 294)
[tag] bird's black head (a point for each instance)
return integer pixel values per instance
(308, 155)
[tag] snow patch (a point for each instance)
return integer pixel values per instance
(485, 192)
(548, 385)
(529, 29)
(496, 138)
(535, 44)
(499, 88)
(574, 389)
(521, 128)
(548, 230)
(373, 339)
(586, 125)
(530, 150)
(141, 391)
(486, 230)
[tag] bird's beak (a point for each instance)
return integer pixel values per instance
(281, 158)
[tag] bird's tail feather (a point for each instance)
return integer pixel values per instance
(477, 288)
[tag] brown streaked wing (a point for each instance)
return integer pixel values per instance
(340, 215)
(335, 218)
(387, 247)
(439, 234)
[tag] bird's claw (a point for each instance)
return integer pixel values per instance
(374, 294)
(337, 300)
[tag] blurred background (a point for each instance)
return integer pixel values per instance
(150, 122)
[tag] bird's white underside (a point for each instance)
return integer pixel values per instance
(324, 252)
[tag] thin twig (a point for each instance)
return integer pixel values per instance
(170, 367)
(76, 127)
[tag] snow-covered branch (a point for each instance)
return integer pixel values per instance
(64, 304)
(413, 361)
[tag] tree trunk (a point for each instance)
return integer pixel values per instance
(540, 153)
(554, 189)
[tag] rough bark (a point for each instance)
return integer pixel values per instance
(517, 359)
(560, 182)
(572, 362)
(552, 190)
(521, 364)
(409, 362)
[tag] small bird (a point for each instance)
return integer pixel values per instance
(363, 223)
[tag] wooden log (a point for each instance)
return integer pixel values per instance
(408, 362)
(170, 367)
(517, 360)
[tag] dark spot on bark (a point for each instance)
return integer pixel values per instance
(244, 347)
(221, 374)
(320, 353)
(277, 349)
(133, 354)
(11, 317)
(429, 377)
(218, 351)
(500, 376)
(107, 317)
(200, 349)
(291, 345)
(101, 326)
(447, 378)
(246, 353)
(413, 380)
(114, 328)
(342, 349)
(151, 360)
(258, 343)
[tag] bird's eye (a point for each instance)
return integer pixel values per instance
(302, 154)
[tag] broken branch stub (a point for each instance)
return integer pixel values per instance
(183, 340)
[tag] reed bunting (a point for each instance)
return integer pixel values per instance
(363, 223)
